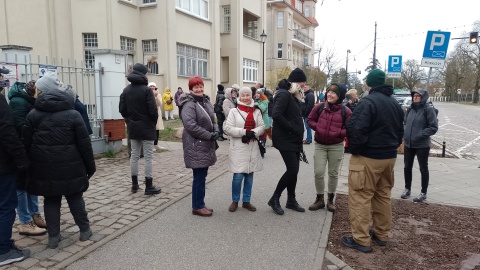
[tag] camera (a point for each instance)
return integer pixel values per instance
(3, 70)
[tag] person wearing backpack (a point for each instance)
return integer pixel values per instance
(328, 120)
(420, 124)
(218, 109)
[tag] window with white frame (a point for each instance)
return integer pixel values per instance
(127, 44)
(280, 51)
(307, 11)
(250, 70)
(195, 7)
(227, 19)
(252, 29)
(192, 61)
(280, 19)
(90, 42)
(149, 1)
(299, 5)
(150, 54)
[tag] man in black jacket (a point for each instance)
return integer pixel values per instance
(218, 109)
(138, 107)
(309, 103)
(12, 158)
(374, 133)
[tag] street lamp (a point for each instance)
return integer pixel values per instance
(263, 38)
(346, 69)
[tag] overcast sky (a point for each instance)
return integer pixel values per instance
(401, 27)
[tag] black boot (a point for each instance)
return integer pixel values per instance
(293, 204)
(150, 189)
(274, 202)
(330, 203)
(134, 184)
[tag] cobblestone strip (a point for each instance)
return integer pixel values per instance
(112, 208)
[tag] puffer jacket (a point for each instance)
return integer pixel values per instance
(244, 157)
(420, 123)
(288, 126)
(198, 119)
(167, 95)
(158, 101)
(328, 125)
(262, 104)
(58, 146)
(137, 105)
(20, 105)
(229, 102)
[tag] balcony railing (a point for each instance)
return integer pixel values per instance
(297, 34)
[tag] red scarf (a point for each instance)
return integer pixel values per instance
(249, 121)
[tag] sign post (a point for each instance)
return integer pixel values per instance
(435, 51)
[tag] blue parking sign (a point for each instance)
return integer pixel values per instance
(394, 63)
(436, 45)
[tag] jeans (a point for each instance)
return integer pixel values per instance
(8, 203)
(237, 186)
(198, 188)
(220, 127)
(148, 154)
(308, 129)
(289, 178)
(422, 157)
(27, 206)
(77, 209)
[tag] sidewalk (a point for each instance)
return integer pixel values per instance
(134, 231)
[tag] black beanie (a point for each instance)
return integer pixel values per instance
(297, 75)
(140, 68)
(220, 88)
(340, 89)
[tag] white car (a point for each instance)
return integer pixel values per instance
(406, 103)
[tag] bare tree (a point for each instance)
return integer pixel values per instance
(412, 74)
(472, 53)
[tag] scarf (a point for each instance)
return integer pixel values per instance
(249, 121)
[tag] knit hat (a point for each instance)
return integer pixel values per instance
(261, 91)
(245, 90)
(49, 81)
(152, 83)
(297, 75)
(220, 87)
(339, 89)
(140, 68)
(376, 78)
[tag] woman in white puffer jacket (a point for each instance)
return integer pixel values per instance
(244, 125)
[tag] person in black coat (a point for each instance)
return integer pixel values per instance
(287, 133)
(137, 105)
(308, 106)
(218, 108)
(61, 153)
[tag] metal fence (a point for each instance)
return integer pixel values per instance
(84, 81)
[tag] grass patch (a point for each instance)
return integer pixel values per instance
(177, 123)
(168, 134)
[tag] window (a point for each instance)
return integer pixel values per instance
(299, 5)
(307, 11)
(280, 19)
(280, 50)
(149, 1)
(289, 21)
(127, 44)
(150, 55)
(252, 29)
(305, 59)
(150, 45)
(250, 70)
(192, 61)
(226, 19)
(195, 7)
(90, 42)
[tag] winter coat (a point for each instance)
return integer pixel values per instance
(288, 126)
(328, 126)
(219, 101)
(137, 105)
(158, 101)
(420, 123)
(309, 103)
(244, 157)
(269, 95)
(80, 107)
(229, 102)
(20, 105)
(375, 129)
(167, 95)
(350, 105)
(177, 98)
(198, 149)
(58, 146)
(263, 106)
(12, 153)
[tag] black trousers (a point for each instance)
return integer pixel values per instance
(155, 142)
(77, 209)
(289, 178)
(422, 157)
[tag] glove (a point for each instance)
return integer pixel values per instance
(215, 135)
(245, 139)
(250, 134)
(257, 100)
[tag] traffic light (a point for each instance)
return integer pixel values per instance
(473, 37)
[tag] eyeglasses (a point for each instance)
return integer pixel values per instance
(417, 96)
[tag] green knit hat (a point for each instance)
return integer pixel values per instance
(376, 78)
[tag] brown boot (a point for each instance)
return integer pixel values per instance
(330, 203)
(249, 206)
(30, 229)
(318, 204)
(39, 221)
(233, 207)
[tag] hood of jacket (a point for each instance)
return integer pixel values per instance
(228, 94)
(137, 77)
(54, 101)
(424, 95)
(18, 91)
(385, 89)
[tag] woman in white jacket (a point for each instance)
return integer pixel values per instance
(244, 125)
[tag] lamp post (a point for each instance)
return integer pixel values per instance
(346, 69)
(263, 38)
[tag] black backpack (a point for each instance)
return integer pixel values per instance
(344, 114)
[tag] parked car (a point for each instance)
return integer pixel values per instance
(406, 103)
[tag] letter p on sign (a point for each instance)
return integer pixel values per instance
(437, 40)
(395, 61)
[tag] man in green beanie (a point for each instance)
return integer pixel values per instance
(374, 133)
